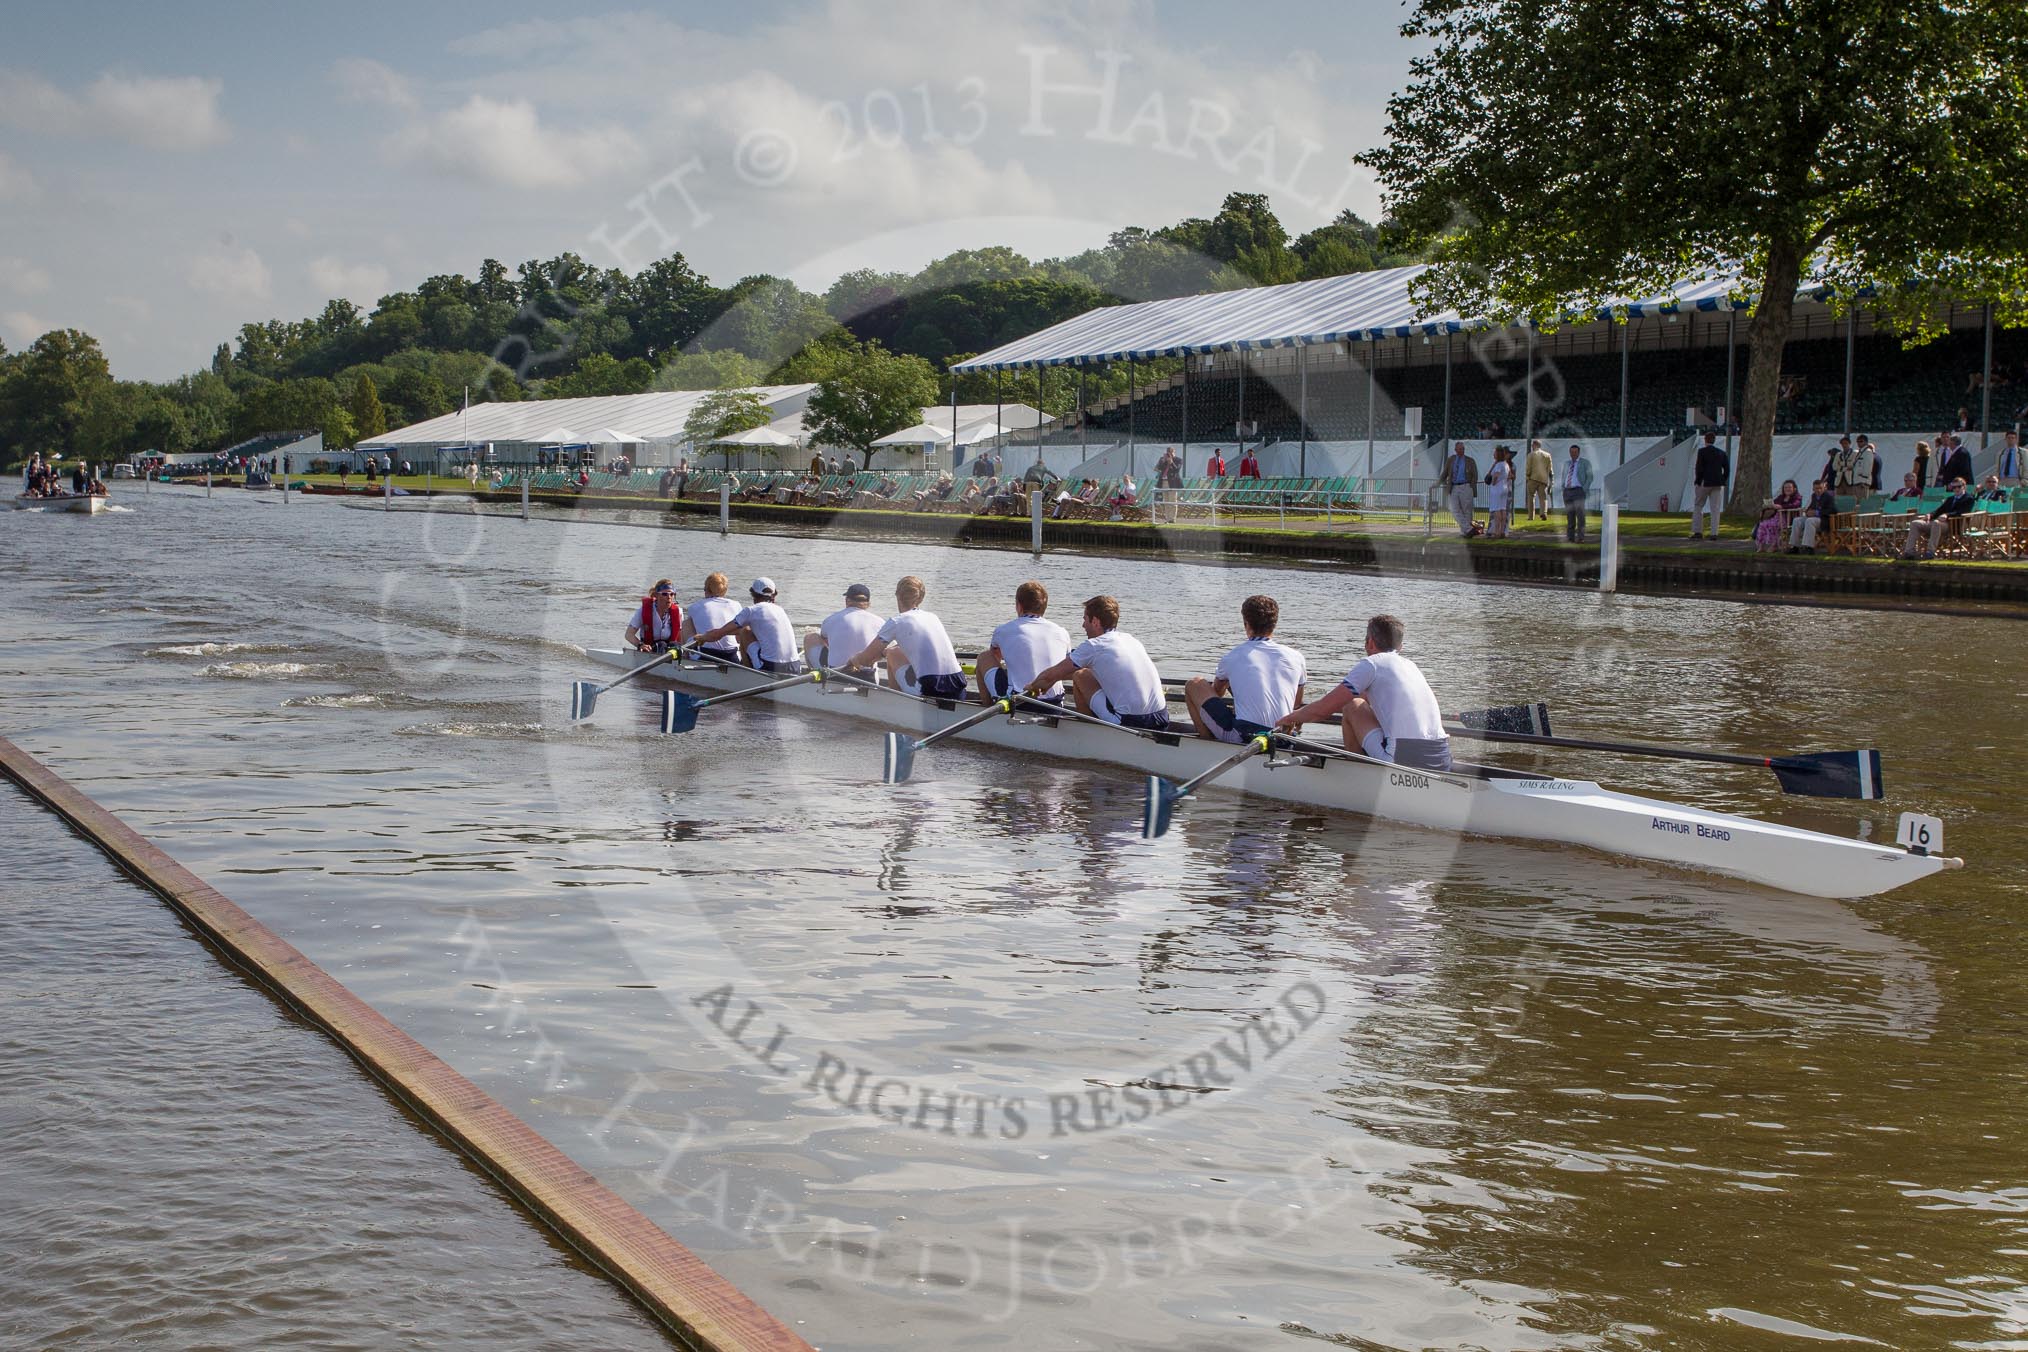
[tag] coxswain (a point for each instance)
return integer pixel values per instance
(1022, 648)
(708, 612)
(914, 648)
(767, 641)
(1391, 714)
(844, 632)
(657, 625)
(1111, 675)
(1254, 686)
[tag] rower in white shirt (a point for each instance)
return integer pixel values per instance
(1022, 647)
(914, 648)
(708, 612)
(1254, 686)
(1391, 714)
(767, 641)
(843, 632)
(1111, 675)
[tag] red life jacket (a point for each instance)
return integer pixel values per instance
(645, 622)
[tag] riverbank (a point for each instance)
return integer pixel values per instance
(1656, 555)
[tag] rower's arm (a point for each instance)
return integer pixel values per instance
(634, 635)
(1062, 671)
(717, 633)
(870, 654)
(1340, 696)
(686, 631)
(989, 656)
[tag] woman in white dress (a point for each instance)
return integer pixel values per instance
(1500, 500)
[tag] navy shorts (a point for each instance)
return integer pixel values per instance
(778, 668)
(1157, 721)
(1228, 725)
(1000, 686)
(933, 687)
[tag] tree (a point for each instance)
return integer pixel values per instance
(875, 393)
(340, 433)
(1550, 158)
(721, 370)
(58, 383)
(721, 415)
(369, 419)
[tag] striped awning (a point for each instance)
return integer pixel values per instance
(1352, 308)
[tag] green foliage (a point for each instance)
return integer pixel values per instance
(724, 413)
(601, 374)
(369, 419)
(720, 370)
(874, 393)
(52, 390)
(1552, 157)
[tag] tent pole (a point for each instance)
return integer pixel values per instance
(954, 421)
(1080, 411)
(1303, 409)
(1986, 387)
(1000, 436)
(1626, 345)
(1731, 358)
(1133, 398)
(1239, 429)
(1851, 351)
(1371, 386)
(1528, 414)
(1186, 412)
(1449, 337)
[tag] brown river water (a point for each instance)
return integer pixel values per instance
(905, 1062)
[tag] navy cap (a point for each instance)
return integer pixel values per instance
(859, 591)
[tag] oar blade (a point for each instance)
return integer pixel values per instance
(679, 712)
(899, 760)
(1830, 774)
(1532, 719)
(1160, 807)
(584, 697)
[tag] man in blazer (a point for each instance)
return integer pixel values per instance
(1953, 460)
(1574, 478)
(1460, 482)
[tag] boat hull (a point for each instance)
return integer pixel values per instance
(1547, 810)
(83, 506)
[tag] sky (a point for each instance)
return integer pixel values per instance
(169, 172)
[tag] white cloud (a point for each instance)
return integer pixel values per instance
(363, 80)
(362, 282)
(18, 274)
(502, 141)
(16, 183)
(158, 112)
(231, 274)
(21, 327)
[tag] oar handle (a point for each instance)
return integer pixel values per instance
(993, 710)
(1254, 746)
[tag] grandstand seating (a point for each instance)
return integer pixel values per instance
(1894, 390)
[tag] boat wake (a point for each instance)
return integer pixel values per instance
(207, 649)
(253, 671)
(512, 731)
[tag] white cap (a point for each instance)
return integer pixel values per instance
(761, 586)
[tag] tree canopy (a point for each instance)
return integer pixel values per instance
(1552, 154)
(872, 394)
(724, 413)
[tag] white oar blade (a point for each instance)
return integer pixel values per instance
(679, 712)
(898, 760)
(584, 697)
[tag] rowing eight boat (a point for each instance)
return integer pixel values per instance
(1475, 800)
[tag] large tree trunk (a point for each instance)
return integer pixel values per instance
(1753, 476)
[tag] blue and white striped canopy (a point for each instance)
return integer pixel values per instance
(1328, 310)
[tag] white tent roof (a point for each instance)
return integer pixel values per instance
(547, 422)
(755, 436)
(608, 437)
(980, 431)
(1327, 310)
(915, 436)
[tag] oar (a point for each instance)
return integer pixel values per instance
(679, 711)
(900, 757)
(584, 695)
(1164, 796)
(1814, 774)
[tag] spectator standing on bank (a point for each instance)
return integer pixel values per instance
(2008, 466)
(1712, 478)
(1500, 493)
(1576, 480)
(1541, 472)
(1460, 484)
(1954, 461)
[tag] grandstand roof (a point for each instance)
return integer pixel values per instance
(651, 417)
(1328, 310)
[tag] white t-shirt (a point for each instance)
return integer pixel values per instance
(1029, 645)
(847, 632)
(661, 628)
(774, 637)
(924, 643)
(1264, 676)
(1400, 696)
(1124, 671)
(709, 613)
